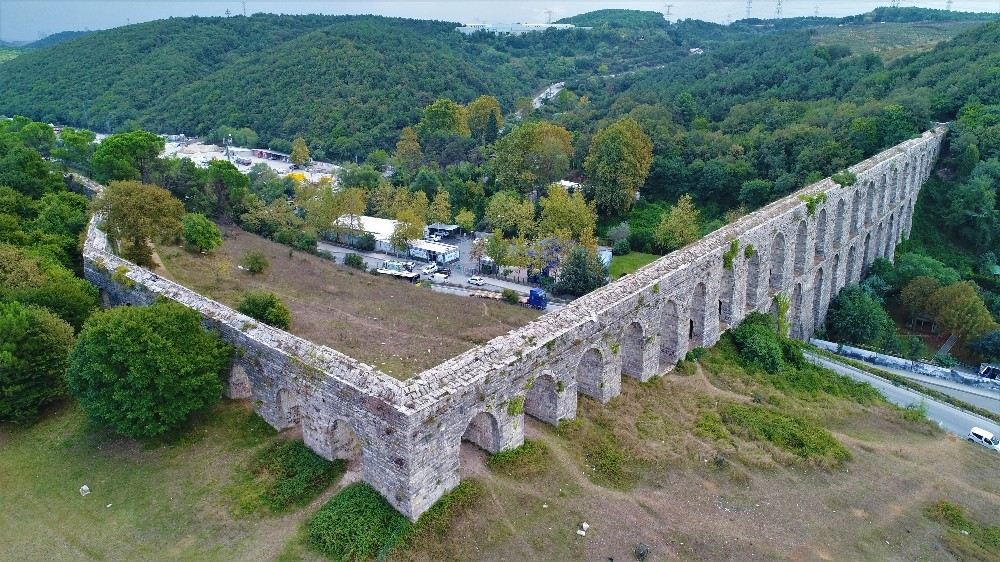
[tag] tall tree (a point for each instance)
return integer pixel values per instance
(563, 212)
(409, 226)
(466, 220)
(959, 310)
(300, 152)
(679, 226)
(408, 152)
(617, 164)
(135, 213)
(581, 273)
(510, 214)
(75, 148)
(440, 208)
(127, 156)
(485, 118)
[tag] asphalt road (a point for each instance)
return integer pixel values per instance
(947, 416)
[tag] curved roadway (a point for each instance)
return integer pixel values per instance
(949, 417)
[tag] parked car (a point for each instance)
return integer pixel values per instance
(446, 271)
(408, 266)
(477, 281)
(438, 277)
(984, 438)
(429, 269)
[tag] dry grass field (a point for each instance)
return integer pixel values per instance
(892, 40)
(397, 327)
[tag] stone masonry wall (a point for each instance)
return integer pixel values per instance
(409, 433)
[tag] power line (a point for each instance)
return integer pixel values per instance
(670, 8)
(748, 8)
(777, 10)
(947, 5)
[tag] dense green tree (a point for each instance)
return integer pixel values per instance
(255, 262)
(24, 170)
(265, 183)
(440, 210)
(485, 119)
(566, 214)
(959, 310)
(911, 265)
(143, 370)
(267, 308)
(365, 177)
(618, 163)
(446, 116)
(581, 273)
(856, 318)
(988, 345)
(127, 156)
(200, 233)
(39, 137)
(510, 214)
(915, 296)
(408, 151)
(532, 155)
(135, 213)
(466, 220)
(34, 344)
(228, 187)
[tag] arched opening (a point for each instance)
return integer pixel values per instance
(795, 314)
(839, 222)
(753, 281)
(867, 255)
(818, 299)
(878, 250)
(632, 350)
(669, 333)
(883, 194)
(820, 252)
(852, 264)
(835, 274)
(342, 440)
(777, 256)
(856, 213)
(696, 333)
(801, 250)
(904, 182)
(239, 383)
(870, 194)
(590, 372)
(288, 410)
(484, 432)
(727, 299)
(894, 185)
(542, 400)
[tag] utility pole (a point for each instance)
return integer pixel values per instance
(894, 4)
(748, 8)
(948, 5)
(548, 16)
(777, 10)
(244, 8)
(670, 8)
(816, 11)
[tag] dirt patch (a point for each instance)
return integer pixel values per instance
(392, 325)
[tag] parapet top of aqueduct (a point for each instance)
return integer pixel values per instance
(425, 388)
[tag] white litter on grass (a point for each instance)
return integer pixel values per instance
(84, 490)
(585, 526)
(581, 532)
(109, 505)
(545, 506)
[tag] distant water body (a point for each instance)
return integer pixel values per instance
(27, 20)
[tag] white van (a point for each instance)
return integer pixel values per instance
(984, 438)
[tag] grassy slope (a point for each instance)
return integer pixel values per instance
(891, 40)
(392, 325)
(166, 500)
(8, 53)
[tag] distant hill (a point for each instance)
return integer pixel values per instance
(56, 38)
(618, 18)
(346, 83)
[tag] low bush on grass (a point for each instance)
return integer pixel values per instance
(266, 307)
(797, 435)
(709, 424)
(435, 523)
(255, 262)
(966, 538)
(355, 261)
(758, 343)
(530, 459)
(356, 524)
(607, 462)
(511, 296)
(284, 475)
(916, 412)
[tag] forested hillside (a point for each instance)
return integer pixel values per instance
(347, 84)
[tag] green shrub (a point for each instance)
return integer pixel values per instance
(916, 412)
(729, 255)
(797, 435)
(844, 178)
(355, 261)
(200, 233)
(436, 521)
(966, 538)
(621, 247)
(255, 262)
(266, 307)
(356, 524)
(758, 344)
(709, 424)
(285, 474)
(511, 296)
(530, 459)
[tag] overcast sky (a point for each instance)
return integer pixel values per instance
(28, 20)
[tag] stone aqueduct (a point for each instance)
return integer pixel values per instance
(408, 433)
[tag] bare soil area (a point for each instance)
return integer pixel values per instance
(392, 325)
